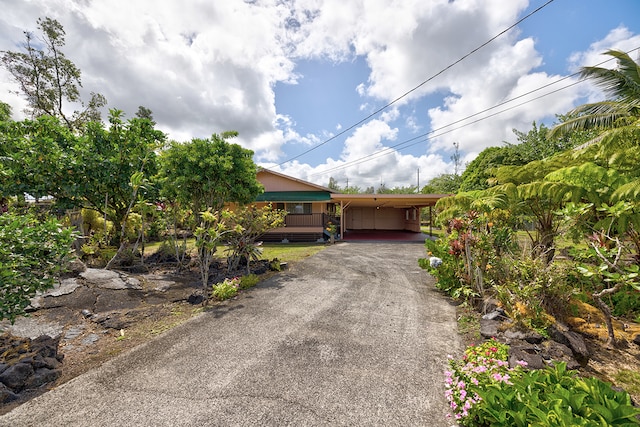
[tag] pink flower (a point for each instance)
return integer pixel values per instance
(522, 363)
(497, 376)
(474, 381)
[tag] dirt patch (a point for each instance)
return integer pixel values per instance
(95, 325)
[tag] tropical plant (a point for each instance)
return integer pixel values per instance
(33, 252)
(248, 281)
(246, 225)
(208, 236)
(207, 173)
(617, 115)
(226, 289)
(553, 397)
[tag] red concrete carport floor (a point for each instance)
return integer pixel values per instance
(384, 236)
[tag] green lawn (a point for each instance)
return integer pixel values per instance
(290, 252)
(285, 252)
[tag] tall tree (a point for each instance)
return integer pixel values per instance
(446, 183)
(145, 113)
(48, 80)
(207, 173)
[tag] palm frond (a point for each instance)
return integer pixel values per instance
(627, 192)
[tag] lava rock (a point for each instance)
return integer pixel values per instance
(636, 340)
(573, 340)
(7, 395)
(489, 328)
(42, 376)
(195, 299)
(528, 354)
(16, 376)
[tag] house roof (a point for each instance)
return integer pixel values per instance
(298, 183)
(294, 196)
(284, 188)
(387, 200)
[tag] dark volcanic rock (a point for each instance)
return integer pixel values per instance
(528, 354)
(27, 364)
(16, 376)
(531, 337)
(6, 394)
(573, 340)
(489, 328)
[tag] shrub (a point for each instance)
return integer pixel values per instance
(484, 391)
(32, 253)
(248, 281)
(481, 365)
(226, 289)
(554, 397)
(449, 273)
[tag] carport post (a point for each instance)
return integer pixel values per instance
(430, 221)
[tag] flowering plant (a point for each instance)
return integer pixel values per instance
(226, 289)
(480, 366)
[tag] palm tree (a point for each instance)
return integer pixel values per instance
(617, 116)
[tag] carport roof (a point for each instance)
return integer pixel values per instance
(387, 200)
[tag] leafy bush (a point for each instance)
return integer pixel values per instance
(484, 391)
(448, 274)
(554, 397)
(32, 253)
(249, 281)
(226, 289)
(481, 365)
(522, 295)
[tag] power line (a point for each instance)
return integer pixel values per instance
(428, 135)
(418, 86)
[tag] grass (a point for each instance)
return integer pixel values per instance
(629, 380)
(290, 252)
(437, 232)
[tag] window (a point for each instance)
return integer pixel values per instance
(298, 208)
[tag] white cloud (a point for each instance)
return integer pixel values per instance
(205, 67)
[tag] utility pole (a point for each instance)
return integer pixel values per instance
(418, 188)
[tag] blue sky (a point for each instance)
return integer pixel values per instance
(290, 75)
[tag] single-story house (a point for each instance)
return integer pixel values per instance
(312, 207)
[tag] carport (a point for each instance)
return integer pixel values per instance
(382, 214)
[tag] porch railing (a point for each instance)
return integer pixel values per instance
(309, 220)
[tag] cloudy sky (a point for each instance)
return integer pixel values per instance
(365, 91)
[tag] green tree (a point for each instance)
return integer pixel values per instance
(104, 163)
(207, 173)
(33, 253)
(477, 175)
(145, 113)
(333, 184)
(35, 157)
(5, 112)
(446, 183)
(44, 158)
(48, 80)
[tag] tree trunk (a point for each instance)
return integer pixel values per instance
(606, 311)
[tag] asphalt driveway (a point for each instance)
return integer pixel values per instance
(355, 335)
